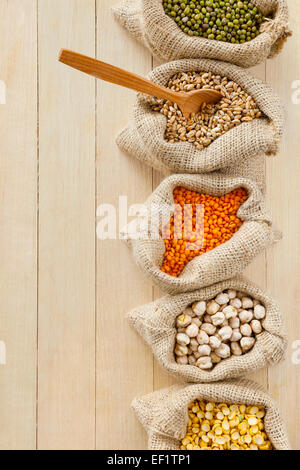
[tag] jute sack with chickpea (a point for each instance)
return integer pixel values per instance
(247, 121)
(220, 332)
(236, 228)
(148, 22)
(240, 415)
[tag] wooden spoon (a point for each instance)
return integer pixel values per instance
(189, 102)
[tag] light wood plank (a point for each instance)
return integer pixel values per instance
(257, 271)
(18, 224)
(283, 197)
(66, 392)
(68, 417)
(124, 362)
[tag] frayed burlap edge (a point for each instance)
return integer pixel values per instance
(225, 261)
(164, 414)
(155, 322)
(147, 22)
(145, 138)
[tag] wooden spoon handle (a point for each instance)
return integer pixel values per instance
(113, 74)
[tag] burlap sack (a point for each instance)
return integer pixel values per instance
(254, 169)
(156, 323)
(147, 22)
(219, 264)
(145, 139)
(164, 414)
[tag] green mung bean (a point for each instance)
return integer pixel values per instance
(233, 21)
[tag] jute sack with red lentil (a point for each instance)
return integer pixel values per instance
(156, 323)
(224, 261)
(147, 22)
(146, 140)
(164, 414)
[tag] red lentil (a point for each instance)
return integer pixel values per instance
(220, 223)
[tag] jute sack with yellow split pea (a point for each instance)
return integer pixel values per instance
(147, 22)
(156, 323)
(224, 261)
(145, 137)
(164, 414)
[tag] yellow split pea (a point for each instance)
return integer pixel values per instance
(218, 426)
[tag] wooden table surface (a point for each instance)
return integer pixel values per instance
(73, 364)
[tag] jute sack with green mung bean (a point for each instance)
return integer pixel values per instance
(222, 262)
(158, 323)
(147, 21)
(164, 414)
(248, 121)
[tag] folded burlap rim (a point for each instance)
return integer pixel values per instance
(147, 22)
(156, 323)
(145, 138)
(164, 414)
(223, 262)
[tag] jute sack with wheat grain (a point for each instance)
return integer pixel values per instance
(234, 135)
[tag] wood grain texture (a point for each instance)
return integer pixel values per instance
(66, 382)
(283, 260)
(257, 271)
(73, 369)
(124, 363)
(18, 224)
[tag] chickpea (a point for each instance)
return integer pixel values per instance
(246, 329)
(222, 299)
(199, 308)
(230, 312)
(208, 328)
(214, 342)
(247, 303)
(247, 343)
(194, 344)
(259, 312)
(256, 326)
(234, 322)
(236, 349)
(214, 358)
(196, 321)
(225, 333)
(203, 337)
(192, 330)
(183, 339)
(183, 320)
(211, 331)
(236, 303)
(204, 362)
(223, 351)
(181, 350)
(236, 335)
(218, 319)
(231, 294)
(245, 316)
(204, 350)
(212, 307)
